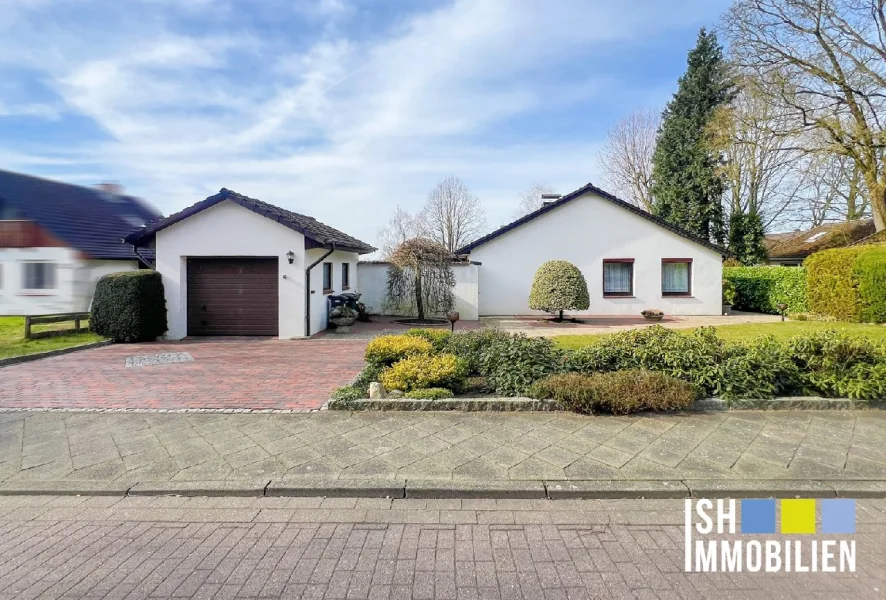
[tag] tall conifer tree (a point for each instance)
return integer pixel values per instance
(686, 186)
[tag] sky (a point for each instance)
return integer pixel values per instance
(338, 109)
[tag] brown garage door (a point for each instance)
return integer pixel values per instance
(232, 296)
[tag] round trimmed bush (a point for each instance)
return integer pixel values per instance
(559, 285)
(129, 306)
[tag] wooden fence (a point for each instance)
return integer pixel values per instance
(76, 318)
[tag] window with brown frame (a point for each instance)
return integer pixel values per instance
(676, 277)
(618, 277)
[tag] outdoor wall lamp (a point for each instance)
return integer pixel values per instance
(290, 256)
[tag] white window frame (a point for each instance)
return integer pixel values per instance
(45, 291)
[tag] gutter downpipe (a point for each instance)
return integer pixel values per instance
(308, 289)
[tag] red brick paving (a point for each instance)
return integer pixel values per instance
(239, 373)
(594, 321)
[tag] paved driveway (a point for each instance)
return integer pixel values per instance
(229, 373)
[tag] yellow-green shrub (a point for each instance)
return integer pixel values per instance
(425, 371)
(438, 337)
(388, 349)
(848, 283)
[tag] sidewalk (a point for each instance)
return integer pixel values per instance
(528, 455)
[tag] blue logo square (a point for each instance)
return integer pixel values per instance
(758, 516)
(837, 515)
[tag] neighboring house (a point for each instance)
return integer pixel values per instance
(630, 259)
(58, 239)
(233, 265)
(791, 249)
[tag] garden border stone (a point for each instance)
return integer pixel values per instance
(498, 404)
(15, 360)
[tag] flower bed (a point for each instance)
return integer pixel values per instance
(645, 369)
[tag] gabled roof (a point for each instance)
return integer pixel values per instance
(87, 219)
(801, 244)
(310, 227)
(590, 188)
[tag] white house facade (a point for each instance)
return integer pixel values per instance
(630, 260)
(233, 265)
(57, 240)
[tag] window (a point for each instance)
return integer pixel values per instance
(676, 277)
(327, 277)
(38, 276)
(618, 277)
(345, 276)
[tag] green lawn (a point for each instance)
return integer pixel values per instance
(12, 342)
(735, 333)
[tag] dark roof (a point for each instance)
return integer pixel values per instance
(591, 188)
(801, 244)
(309, 226)
(87, 219)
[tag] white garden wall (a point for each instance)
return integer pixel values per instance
(373, 284)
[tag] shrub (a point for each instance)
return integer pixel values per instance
(559, 285)
(696, 358)
(388, 349)
(425, 371)
(512, 363)
(835, 364)
(429, 394)
(728, 292)
(437, 337)
(620, 392)
(129, 306)
(371, 372)
(761, 368)
(348, 393)
(761, 289)
(469, 345)
(848, 283)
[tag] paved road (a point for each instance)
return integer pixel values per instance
(466, 447)
(170, 547)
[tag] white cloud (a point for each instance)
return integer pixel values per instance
(341, 128)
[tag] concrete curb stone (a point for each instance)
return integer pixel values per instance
(616, 489)
(199, 488)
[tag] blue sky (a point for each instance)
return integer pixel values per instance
(340, 109)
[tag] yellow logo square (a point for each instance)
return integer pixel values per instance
(798, 516)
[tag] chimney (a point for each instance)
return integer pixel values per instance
(548, 199)
(109, 187)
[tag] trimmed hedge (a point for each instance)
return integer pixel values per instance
(619, 392)
(849, 284)
(129, 306)
(761, 289)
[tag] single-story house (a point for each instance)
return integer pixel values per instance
(58, 239)
(630, 259)
(233, 265)
(791, 249)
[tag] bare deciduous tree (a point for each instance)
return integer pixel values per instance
(626, 157)
(531, 199)
(452, 215)
(836, 191)
(762, 165)
(402, 226)
(420, 278)
(825, 61)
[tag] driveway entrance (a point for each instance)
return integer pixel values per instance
(234, 373)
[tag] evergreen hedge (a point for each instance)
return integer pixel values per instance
(848, 284)
(761, 289)
(129, 306)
